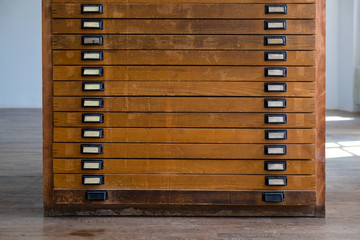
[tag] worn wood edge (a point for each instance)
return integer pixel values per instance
(185, 197)
(320, 107)
(183, 211)
(47, 106)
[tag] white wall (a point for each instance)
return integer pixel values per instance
(332, 27)
(343, 39)
(20, 58)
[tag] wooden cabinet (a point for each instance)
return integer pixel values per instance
(184, 108)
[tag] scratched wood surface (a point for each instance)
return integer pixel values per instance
(185, 73)
(182, 26)
(193, 182)
(177, 166)
(191, 120)
(182, 135)
(157, 88)
(188, 42)
(208, 11)
(186, 151)
(184, 104)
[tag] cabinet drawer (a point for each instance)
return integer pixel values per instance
(182, 1)
(181, 26)
(186, 42)
(182, 135)
(183, 104)
(154, 150)
(183, 10)
(157, 88)
(186, 197)
(193, 120)
(191, 182)
(185, 73)
(157, 57)
(157, 166)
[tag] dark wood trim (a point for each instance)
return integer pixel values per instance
(47, 105)
(183, 211)
(183, 197)
(320, 107)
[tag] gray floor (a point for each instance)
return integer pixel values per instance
(21, 195)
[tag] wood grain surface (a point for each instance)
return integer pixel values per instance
(189, 1)
(208, 11)
(188, 42)
(183, 120)
(182, 26)
(185, 73)
(157, 88)
(182, 135)
(193, 182)
(184, 104)
(167, 57)
(182, 197)
(174, 166)
(184, 151)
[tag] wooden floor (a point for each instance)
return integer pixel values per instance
(21, 215)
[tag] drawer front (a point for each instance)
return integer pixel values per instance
(186, 151)
(186, 42)
(152, 57)
(182, 26)
(182, 135)
(186, 197)
(183, 120)
(171, 166)
(192, 1)
(186, 73)
(191, 182)
(156, 88)
(183, 10)
(183, 104)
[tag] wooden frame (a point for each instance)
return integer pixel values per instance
(51, 196)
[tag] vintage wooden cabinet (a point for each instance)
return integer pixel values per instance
(184, 107)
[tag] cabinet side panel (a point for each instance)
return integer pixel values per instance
(320, 107)
(47, 104)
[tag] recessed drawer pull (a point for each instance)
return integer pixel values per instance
(276, 181)
(275, 166)
(92, 133)
(275, 24)
(93, 55)
(275, 87)
(275, 9)
(92, 164)
(275, 56)
(91, 149)
(275, 149)
(275, 134)
(92, 102)
(92, 24)
(96, 195)
(92, 179)
(276, 118)
(274, 197)
(93, 86)
(92, 40)
(92, 8)
(92, 118)
(92, 71)
(275, 40)
(275, 72)
(275, 103)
